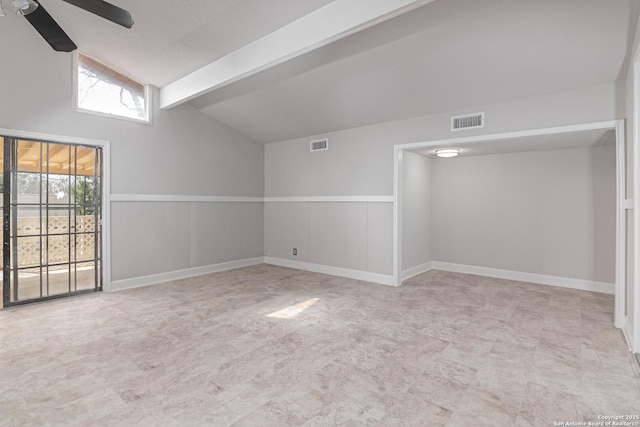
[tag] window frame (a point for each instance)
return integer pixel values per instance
(77, 108)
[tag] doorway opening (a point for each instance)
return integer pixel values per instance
(52, 219)
(505, 142)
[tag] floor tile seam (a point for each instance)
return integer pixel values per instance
(585, 365)
(267, 367)
(255, 408)
(466, 365)
(514, 410)
(292, 386)
(266, 344)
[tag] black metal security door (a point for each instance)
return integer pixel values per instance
(51, 214)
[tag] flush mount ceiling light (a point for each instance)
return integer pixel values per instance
(447, 152)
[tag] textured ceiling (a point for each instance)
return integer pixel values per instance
(444, 56)
(441, 57)
(171, 39)
(558, 141)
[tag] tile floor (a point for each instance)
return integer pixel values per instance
(270, 346)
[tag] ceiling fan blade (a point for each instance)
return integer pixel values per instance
(106, 10)
(50, 30)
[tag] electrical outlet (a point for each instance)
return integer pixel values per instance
(295, 251)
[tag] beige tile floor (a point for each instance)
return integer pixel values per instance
(269, 346)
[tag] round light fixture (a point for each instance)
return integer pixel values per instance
(447, 152)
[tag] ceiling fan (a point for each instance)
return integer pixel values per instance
(49, 29)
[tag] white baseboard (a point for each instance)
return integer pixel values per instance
(627, 329)
(137, 282)
(366, 276)
(382, 279)
(414, 271)
(627, 338)
(542, 279)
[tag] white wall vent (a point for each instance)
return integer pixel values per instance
(319, 145)
(469, 121)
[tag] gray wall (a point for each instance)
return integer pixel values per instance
(352, 235)
(187, 153)
(544, 212)
(416, 210)
(182, 153)
(173, 236)
(359, 162)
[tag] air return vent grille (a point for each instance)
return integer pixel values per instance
(469, 121)
(319, 145)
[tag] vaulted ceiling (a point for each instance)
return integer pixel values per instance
(279, 69)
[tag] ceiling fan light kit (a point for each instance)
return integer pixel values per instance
(49, 29)
(24, 7)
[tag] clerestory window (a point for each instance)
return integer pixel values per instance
(102, 90)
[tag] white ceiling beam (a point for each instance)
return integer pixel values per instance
(332, 22)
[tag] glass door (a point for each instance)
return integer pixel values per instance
(51, 220)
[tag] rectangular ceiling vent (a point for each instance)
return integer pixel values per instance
(319, 145)
(469, 121)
